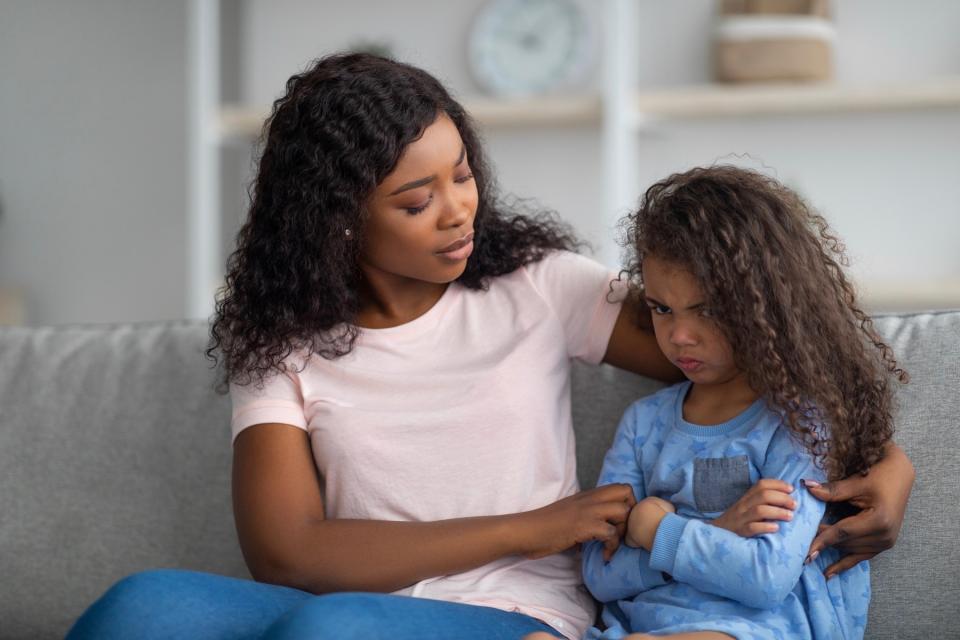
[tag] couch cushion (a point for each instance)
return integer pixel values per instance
(114, 457)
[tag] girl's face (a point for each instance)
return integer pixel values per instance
(420, 224)
(686, 333)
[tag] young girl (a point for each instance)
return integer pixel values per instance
(787, 379)
(398, 344)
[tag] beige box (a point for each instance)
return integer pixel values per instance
(12, 308)
(774, 41)
(776, 7)
(772, 60)
(764, 47)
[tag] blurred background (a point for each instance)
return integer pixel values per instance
(128, 128)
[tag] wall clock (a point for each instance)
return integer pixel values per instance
(531, 47)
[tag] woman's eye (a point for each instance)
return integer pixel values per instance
(706, 313)
(417, 209)
(463, 179)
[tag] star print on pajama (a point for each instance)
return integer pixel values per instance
(700, 577)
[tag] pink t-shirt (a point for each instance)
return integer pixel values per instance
(464, 411)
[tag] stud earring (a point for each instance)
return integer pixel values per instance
(348, 233)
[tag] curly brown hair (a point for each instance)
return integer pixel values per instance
(293, 281)
(772, 273)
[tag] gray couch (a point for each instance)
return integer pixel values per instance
(115, 457)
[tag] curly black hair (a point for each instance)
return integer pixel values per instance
(294, 279)
(772, 273)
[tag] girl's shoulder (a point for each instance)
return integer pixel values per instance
(663, 401)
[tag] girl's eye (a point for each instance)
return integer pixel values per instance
(706, 313)
(660, 309)
(463, 179)
(415, 210)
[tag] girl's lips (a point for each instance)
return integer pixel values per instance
(688, 364)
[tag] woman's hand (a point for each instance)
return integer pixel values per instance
(644, 520)
(881, 496)
(750, 516)
(596, 514)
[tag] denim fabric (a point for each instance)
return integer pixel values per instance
(201, 606)
(719, 482)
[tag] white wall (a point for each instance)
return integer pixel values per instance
(93, 134)
(92, 154)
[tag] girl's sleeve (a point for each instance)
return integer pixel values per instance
(586, 298)
(760, 571)
(278, 400)
(628, 572)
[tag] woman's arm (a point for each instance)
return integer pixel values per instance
(881, 496)
(633, 346)
(286, 539)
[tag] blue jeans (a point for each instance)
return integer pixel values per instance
(184, 604)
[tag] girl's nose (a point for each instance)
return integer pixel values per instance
(682, 336)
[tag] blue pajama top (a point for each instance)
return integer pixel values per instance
(703, 578)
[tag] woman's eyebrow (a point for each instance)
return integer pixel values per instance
(423, 181)
(414, 184)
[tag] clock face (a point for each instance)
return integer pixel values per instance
(527, 47)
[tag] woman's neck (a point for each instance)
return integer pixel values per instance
(710, 404)
(387, 300)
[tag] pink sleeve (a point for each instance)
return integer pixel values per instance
(279, 400)
(585, 296)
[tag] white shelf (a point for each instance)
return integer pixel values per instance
(616, 110)
(910, 295)
(696, 101)
(782, 99)
(244, 123)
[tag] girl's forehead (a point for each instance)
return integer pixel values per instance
(669, 278)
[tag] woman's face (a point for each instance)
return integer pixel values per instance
(686, 333)
(420, 223)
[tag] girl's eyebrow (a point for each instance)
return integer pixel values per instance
(423, 181)
(693, 307)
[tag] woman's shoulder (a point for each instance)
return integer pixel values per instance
(558, 261)
(563, 276)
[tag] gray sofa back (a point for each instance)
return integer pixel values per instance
(115, 457)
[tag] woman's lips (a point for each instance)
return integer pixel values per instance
(688, 365)
(459, 250)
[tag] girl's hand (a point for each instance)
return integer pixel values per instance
(881, 496)
(644, 520)
(596, 514)
(750, 516)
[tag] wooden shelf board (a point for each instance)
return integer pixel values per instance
(927, 294)
(697, 101)
(780, 99)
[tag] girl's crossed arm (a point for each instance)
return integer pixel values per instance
(758, 571)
